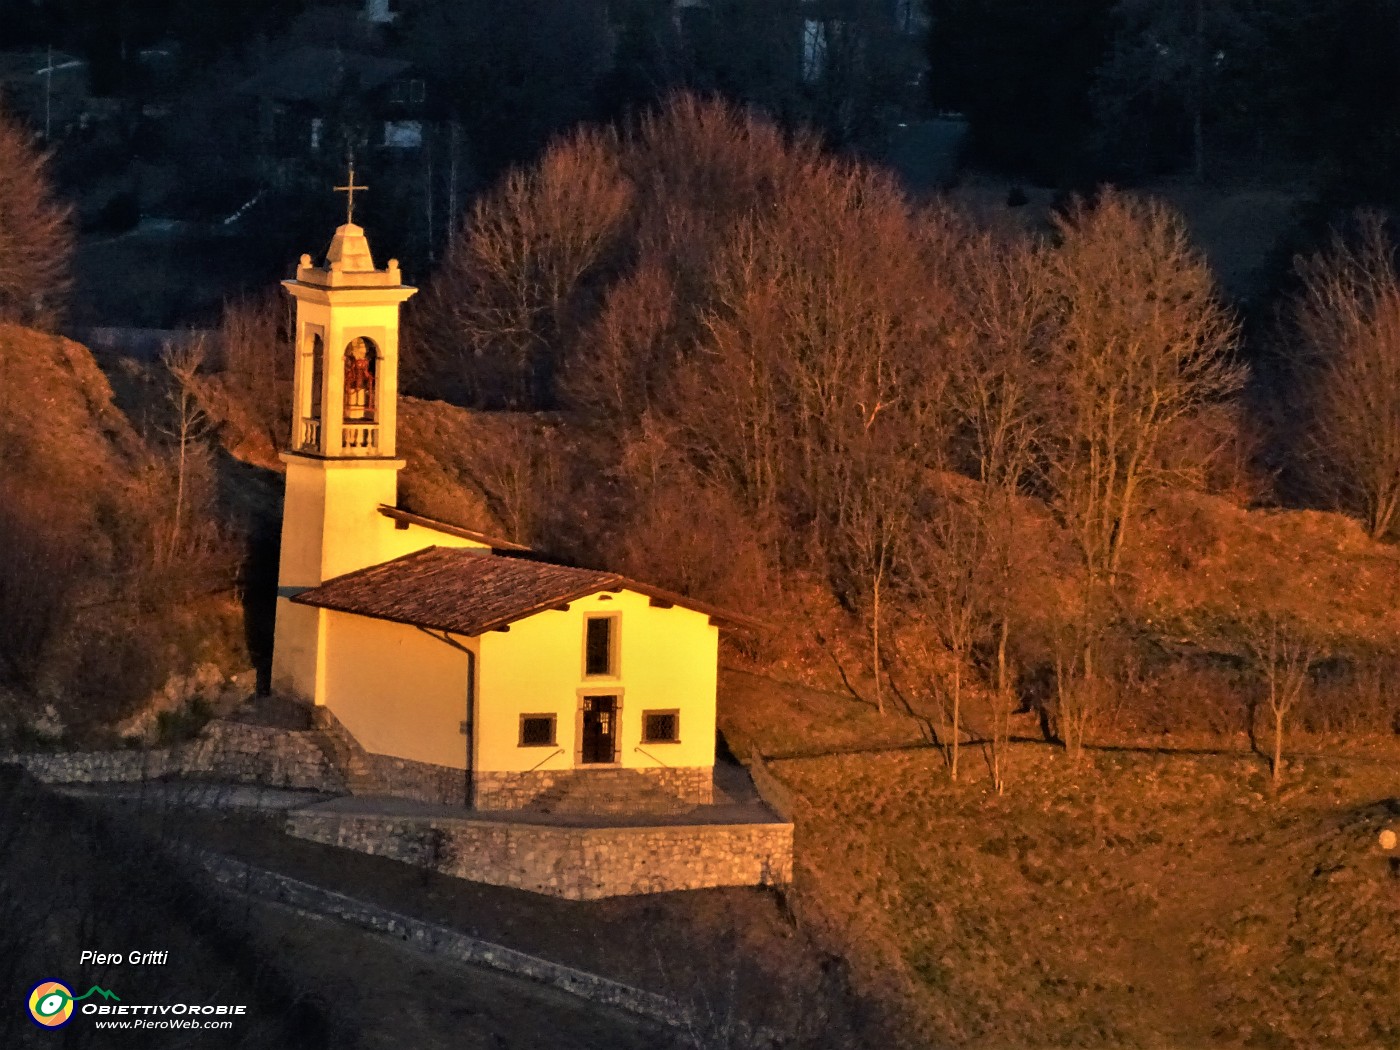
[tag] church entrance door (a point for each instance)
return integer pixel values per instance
(599, 729)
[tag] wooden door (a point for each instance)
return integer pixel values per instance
(599, 728)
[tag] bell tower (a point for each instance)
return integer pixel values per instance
(341, 463)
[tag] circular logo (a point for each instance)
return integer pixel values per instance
(51, 1004)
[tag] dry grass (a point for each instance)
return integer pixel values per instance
(60, 433)
(1145, 898)
(812, 721)
(1199, 555)
(449, 473)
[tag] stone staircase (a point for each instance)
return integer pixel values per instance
(607, 792)
(344, 753)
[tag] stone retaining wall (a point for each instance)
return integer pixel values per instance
(404, 778)
(664, 789)
(618, 790)
(773, 791)
(231, 751)
(577, 863)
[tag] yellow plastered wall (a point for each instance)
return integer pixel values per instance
(331, 523)
(398, 690)
(298, 655)
(395, 542)
(667, 660)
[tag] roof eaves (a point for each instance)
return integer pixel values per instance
(715, 612)
(545, 606)
(447, 528)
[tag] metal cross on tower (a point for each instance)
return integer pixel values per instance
(349, 189)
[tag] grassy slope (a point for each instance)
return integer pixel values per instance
(61, 436)
(1149, 897)
(1198, 556)
(1146, 898)
(77, 477)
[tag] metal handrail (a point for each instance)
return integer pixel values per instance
(649, 755)
(557, 751)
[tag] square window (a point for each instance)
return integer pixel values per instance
(661, 727)
(537, 730)
(599, 646)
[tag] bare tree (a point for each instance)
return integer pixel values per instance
(36, 237)
(256, 374)
(189, 421)
(519, 473)
(877, 518)
(1077, 648)
(818, 385)
(1283, 655)
(518, 281)
(1140, 343)
(623, 356)
(946, 574)
(1346, 347)
(1004, 319)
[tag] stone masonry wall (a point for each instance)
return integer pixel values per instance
(231, 751)
(404, 778)
(571, 862)
(621, 789)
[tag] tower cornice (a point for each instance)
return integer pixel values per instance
(349, 294)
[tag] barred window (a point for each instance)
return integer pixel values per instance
(661, 727)
(537, 730)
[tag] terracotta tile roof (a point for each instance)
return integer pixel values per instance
(470, 592)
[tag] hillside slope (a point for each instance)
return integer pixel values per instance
(62, 440)
(1145, 899)
(1158, 893)
(101, 608)
(1148, 896)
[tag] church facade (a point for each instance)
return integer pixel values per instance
(463, 669)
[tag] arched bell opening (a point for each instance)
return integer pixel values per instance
(309, 425)
(360, 431)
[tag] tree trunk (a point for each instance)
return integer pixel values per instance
(957, 716)
(179, 489)
(1001, 715)
(1276, 766)
(875, 639)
